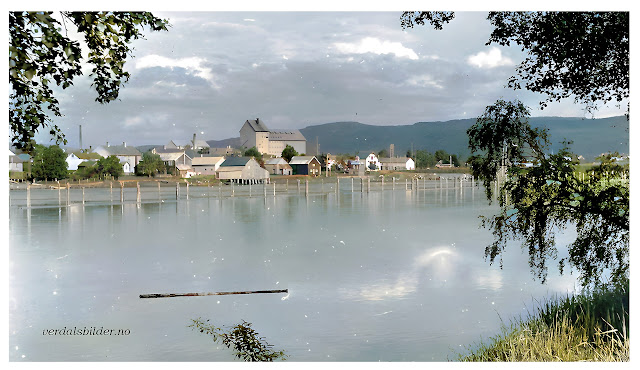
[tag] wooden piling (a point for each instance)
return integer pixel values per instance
(306, 187)
(138, 197)
(368, 184)
(28, 195)
(83, 195)
(177, 190)
(171, 295)
(187, 188)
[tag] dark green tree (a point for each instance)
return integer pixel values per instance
(41, 54)
(424, 159)
(536, 203)
(109, 166)
(288, 153)
(253, 152)
(383, 154)
(49, 163)
(150, 165)
(584, 55)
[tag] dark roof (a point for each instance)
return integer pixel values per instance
(122, 150)
(235, 161)
(257, 125)
(285, 135)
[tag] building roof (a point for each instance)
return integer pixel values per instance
(206, 161)
(25, 157)
(161, 149)
(170, 156)
(179, 143)
(83, 155)
(275, 161)
(235, 161)
(199, 143)
(183, 167)
(286, 135)
(257, 125)
(121, 150)
(306, 159)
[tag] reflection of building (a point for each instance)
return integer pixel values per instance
(272, 142)
(305, 165)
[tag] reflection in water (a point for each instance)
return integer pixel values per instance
(438, 262)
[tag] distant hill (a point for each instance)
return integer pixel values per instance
(590, 136)
(233, 142)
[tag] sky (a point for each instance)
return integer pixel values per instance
(214, 70)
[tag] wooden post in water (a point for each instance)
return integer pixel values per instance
(138, 197)
(233, 189)
(264, 187)
(306, 188)
(361, 185)
(382, 183)
(298, 180)
(287, 186)
(337, 184)
(83, 195)
(187, 188)
(352, 184)
(393, 183)
(111, 191)
(249, 188)
(274, 188)
(368, 184)
(159, 195)
(68, 190)
(406, 184)
(219, 190)
(28, 195)
(177, 190)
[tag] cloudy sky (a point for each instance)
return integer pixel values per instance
(213, 70)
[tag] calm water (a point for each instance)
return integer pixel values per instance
(391, 276)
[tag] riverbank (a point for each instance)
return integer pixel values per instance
(588, 327)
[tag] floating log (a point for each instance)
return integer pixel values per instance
(170, 295)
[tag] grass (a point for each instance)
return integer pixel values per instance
(589, 327)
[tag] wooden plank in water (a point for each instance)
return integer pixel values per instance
(170, 295)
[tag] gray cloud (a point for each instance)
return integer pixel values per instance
(212, 71)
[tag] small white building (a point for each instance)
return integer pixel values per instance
(397, 164)
(206, 165)
(371, 163)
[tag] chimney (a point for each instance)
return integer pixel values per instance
(107, 144)
(124, 144)
(193, 143)
(89, 148)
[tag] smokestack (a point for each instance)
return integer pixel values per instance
(80, 131)
(124, 144)
(193, 143)
(107, 144)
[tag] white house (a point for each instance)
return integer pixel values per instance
(15, 162)
(397, 163)
(371, 163)
(206, 165)
(126, 154)
(73, 161)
